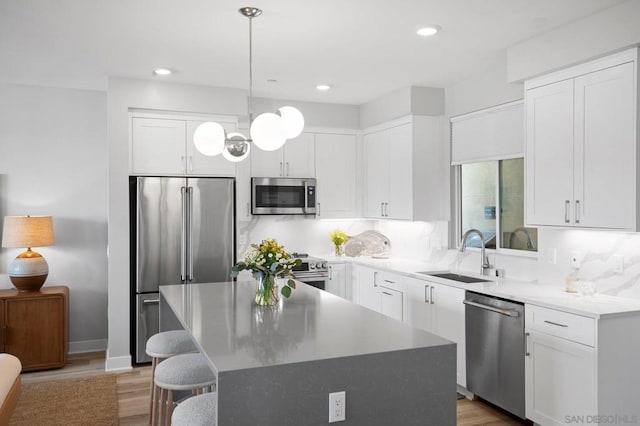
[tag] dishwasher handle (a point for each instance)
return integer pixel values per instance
(506, 312)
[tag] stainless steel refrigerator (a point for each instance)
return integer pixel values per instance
(182, 231)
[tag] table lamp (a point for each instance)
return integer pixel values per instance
(29, 270)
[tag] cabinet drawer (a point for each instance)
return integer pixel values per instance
(391, 281)
(561, 324)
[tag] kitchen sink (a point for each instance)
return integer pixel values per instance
(455, 277)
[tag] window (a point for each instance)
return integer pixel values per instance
(492, 201)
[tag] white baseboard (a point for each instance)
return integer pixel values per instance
(88, 346)
(118, 363)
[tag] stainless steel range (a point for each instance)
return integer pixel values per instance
(313, 271)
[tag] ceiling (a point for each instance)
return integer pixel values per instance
(363, 48)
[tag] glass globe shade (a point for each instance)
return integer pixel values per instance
(293, 121)
(209, 138)
(267, 132)
(236, 148)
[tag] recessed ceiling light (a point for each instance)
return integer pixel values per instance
(162, 71)
(323, 87)
(429, 30)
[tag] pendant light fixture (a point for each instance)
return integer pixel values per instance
(269, 131)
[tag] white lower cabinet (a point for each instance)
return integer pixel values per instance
(581, 370)
(337, 282)
(560, 379)
(438, 309)
(381, 291)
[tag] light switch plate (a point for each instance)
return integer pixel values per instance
(552, 256)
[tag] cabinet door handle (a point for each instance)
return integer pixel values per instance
(248, 209)
(191, 163)
(526, 344)
(426, 290)
(556, 324)
(330, 273)
(281, 169)
(386, 209)
(388, 294)
(567, 203)
(431, 295)
(151, 302)
(577, 211)
(375, 275)
(318, 212)
(390, 282)
(182, 163)
(287, 164)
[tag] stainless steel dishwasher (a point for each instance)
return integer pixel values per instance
(495, 350)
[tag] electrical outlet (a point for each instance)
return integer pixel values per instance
(337, 406)
(576, 259)
(552, 256)
(618, 264)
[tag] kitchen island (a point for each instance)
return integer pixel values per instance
(277, 365)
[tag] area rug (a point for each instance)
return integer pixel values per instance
(91, 401)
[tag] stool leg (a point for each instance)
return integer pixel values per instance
(169, 409)
(161, 404)
(153, 394)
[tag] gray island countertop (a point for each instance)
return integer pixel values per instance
(309, 345)
(311, 325)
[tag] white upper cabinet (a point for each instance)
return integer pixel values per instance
(403, 170)
(295, 159)
(158, 146)
(581, 146)
(164, 146)
(336, 175)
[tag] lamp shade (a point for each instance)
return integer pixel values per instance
(27, 231)
(293, 121)
(209, 138)
(267, 131)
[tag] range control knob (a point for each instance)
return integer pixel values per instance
(312, 265)
(324, 265)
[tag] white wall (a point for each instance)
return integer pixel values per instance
(53, 161)
(596, 35)
(400, 103)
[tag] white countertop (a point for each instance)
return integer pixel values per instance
(531, 292)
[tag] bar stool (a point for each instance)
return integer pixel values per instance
(187, 372)
(161, 346)
(198, 410)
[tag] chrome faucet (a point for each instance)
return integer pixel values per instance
(484, 261)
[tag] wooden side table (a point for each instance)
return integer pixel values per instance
(35, 326)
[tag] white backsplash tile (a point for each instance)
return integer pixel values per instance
(428, 241)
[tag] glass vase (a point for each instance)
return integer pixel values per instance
(266, 290)
(338, 249)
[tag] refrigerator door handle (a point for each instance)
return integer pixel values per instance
(190, 232)
(183, 243)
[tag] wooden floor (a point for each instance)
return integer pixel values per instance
(133, 392)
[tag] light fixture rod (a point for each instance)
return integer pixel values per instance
(250, 69)
(250, 12)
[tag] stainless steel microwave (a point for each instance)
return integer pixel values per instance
(283, 196)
